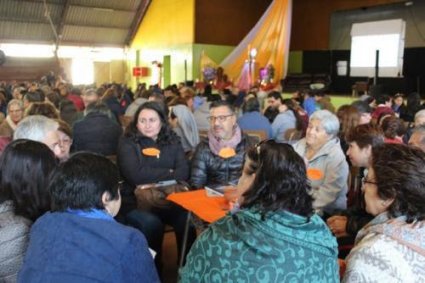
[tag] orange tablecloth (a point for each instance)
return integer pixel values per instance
(207, 208)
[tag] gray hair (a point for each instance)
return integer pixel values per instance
(35, 128)
(17, 102)
(328, 120)
(419, 114)
(420, 130)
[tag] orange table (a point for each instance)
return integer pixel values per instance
(207, 208)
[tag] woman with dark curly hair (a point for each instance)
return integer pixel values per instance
(275, 236)
(391, 248)
(150, 132)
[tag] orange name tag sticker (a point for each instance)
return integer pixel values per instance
(314, 174)
(151, 151)
(227, 152)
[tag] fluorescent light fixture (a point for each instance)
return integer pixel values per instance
(28, 50)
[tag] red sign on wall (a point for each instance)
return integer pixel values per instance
(140, 71)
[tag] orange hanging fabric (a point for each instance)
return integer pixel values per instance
(270, 37)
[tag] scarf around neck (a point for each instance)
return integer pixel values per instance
(218, 144)
(411, 235)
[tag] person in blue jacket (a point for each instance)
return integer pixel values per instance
(79, 240)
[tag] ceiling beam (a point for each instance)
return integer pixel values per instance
(39, 1)
(106, 9)
(94, 26)
(61, 24)
(79, 5)
(22, 20)
(140, 14)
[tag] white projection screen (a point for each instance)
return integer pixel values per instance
(385, 36)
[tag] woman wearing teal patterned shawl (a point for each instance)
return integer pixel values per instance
(275, 237)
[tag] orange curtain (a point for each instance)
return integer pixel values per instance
(270, 36)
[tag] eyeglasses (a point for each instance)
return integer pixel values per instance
(65, 142)
(221, 118)
(364, 181)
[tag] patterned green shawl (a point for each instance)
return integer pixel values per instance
(283, 247)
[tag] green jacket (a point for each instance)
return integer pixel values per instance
(283, 247)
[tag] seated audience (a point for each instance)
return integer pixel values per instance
(323, 101)
(275, 236)
(203, 112)
(15, 110)
(140, 98)
(309, 104)
(364, 110)
(288, 119)
(97, 132)
(393, 128)
(25, 168)
(54, 98)
(345, 225)
(390, 248)
(65, 139)
(150, 131)
(110, 98)
(326, 163)
(33, 96)
(419, 121)
(42, 108)
(88, 244)
(73, 96)
(218, 159)
(397, 105)
(183, 123)
(42, 129)
(413, 105)
(418, 137)
(383, 108)
(68, 112)
(349, 118)
(252, 119)
(274, 100)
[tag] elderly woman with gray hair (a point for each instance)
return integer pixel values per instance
(184, 125)
(327, 167)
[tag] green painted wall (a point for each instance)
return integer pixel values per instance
(295, 62)
(216, 52)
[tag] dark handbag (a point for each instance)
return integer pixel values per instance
(155, 195)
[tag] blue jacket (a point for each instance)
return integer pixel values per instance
(255, 121)
(66, 247)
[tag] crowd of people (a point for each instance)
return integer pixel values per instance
(325, 184)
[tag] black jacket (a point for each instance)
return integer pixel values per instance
(209, 169)
(96, 133)
(138, 169)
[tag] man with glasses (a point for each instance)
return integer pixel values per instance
(42, 129)
(218, 159)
